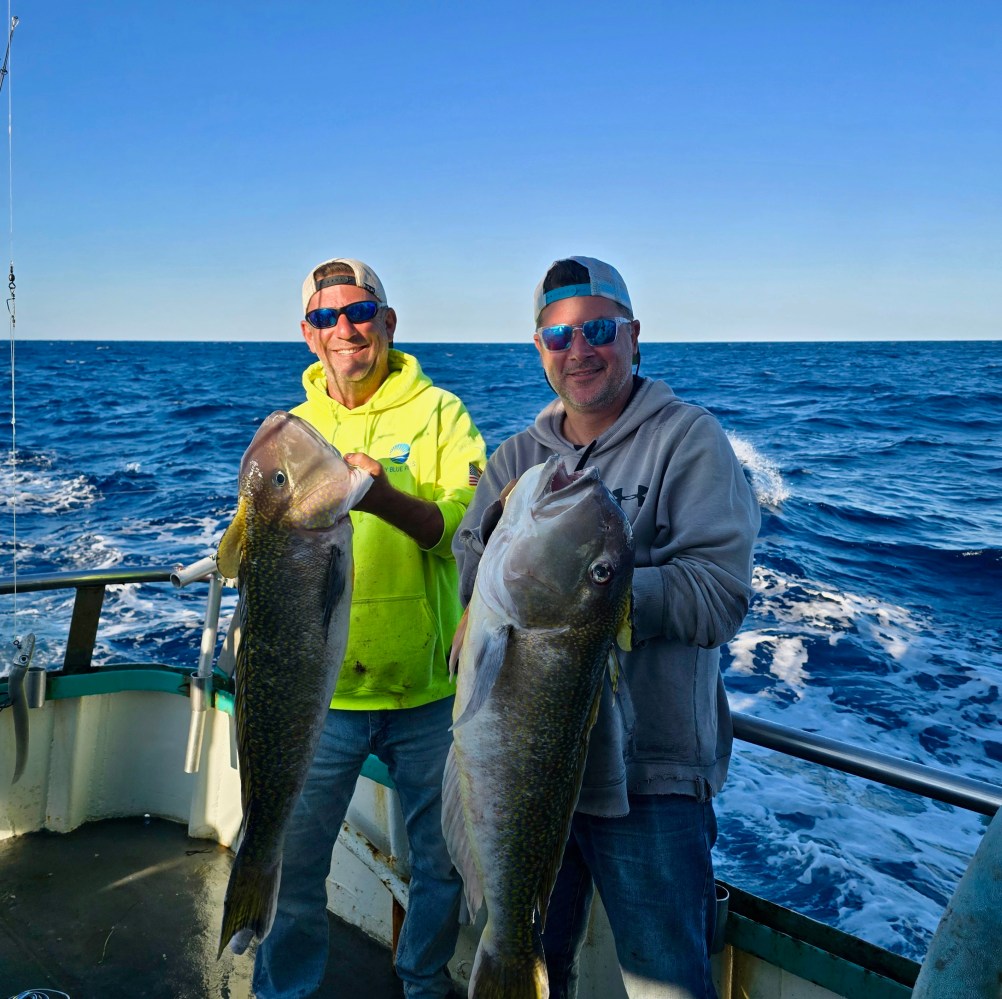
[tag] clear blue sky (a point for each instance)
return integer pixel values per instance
(756, 170)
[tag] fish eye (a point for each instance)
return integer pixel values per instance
(600, 572)
(278, 477)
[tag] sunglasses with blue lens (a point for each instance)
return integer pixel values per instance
(598, 333)
(357, 312)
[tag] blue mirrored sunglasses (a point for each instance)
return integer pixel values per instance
(598, 332)
(357, 312)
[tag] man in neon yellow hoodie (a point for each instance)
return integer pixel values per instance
(393, 697)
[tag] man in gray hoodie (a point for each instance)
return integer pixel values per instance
(695, 519)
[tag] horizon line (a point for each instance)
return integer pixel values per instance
(511, 343)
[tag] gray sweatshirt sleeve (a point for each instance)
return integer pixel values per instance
(480, 519)
(698, 586)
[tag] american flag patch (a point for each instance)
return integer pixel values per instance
(475, 474)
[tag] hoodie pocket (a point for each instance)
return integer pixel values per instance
(392, 644)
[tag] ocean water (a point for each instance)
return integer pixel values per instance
(876, 618)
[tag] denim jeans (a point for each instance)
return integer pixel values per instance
(655, 878)
(413, 743)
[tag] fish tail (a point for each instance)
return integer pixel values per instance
(514, 976)
(251, 900)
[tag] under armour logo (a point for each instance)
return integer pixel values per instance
(638, 495)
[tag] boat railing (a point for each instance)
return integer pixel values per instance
(938, 785)
(90, 586)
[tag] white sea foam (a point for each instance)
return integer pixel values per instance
(35, 488)
(133, 608)
(789, 609)
(787, 656)
(187, 534)
(888, 887)
(91, 550)
(806, 607)
(850, 849)
(766, 478)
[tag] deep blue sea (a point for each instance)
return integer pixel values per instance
(876, 618)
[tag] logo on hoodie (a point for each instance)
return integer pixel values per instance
(399, 453)
(639, 495)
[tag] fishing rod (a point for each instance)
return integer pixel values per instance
(11, 300)
(6, 58)
(18, 698)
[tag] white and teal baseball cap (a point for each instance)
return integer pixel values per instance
(575, 276)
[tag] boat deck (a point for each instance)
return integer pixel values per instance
(132, 908)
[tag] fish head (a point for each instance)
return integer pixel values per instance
(563, 549)
(292, 477)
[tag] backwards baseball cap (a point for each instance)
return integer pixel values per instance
(342, 270)
(576, 276)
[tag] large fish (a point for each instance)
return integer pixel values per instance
(552, 594)
(290, 547)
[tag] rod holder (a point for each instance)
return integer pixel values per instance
(720, 919)
(210, 628)
(185, 574)
(35, 682)
(200, 693)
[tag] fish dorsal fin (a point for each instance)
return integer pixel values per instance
(337, 577)
(457, 642)
(457, 839)
(487, 657)
(232, 543)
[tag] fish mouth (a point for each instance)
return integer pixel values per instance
(322, 501)
(309, 429)
(271, 431)
(288, 444)
(561, 478)
(559, 492)
(561, 489)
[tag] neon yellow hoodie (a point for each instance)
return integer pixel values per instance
(405, 605)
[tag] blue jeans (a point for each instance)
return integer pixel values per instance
(655, 878)
(413, 743)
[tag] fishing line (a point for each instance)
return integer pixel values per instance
(11, 302)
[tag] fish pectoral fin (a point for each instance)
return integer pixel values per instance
(457, 839)
(232, 543)
(457, 642)
(488, 658)
(613, 667)
(337, 578)
(624, 633)
(360, 483)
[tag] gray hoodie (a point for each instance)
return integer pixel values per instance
(695, 519)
